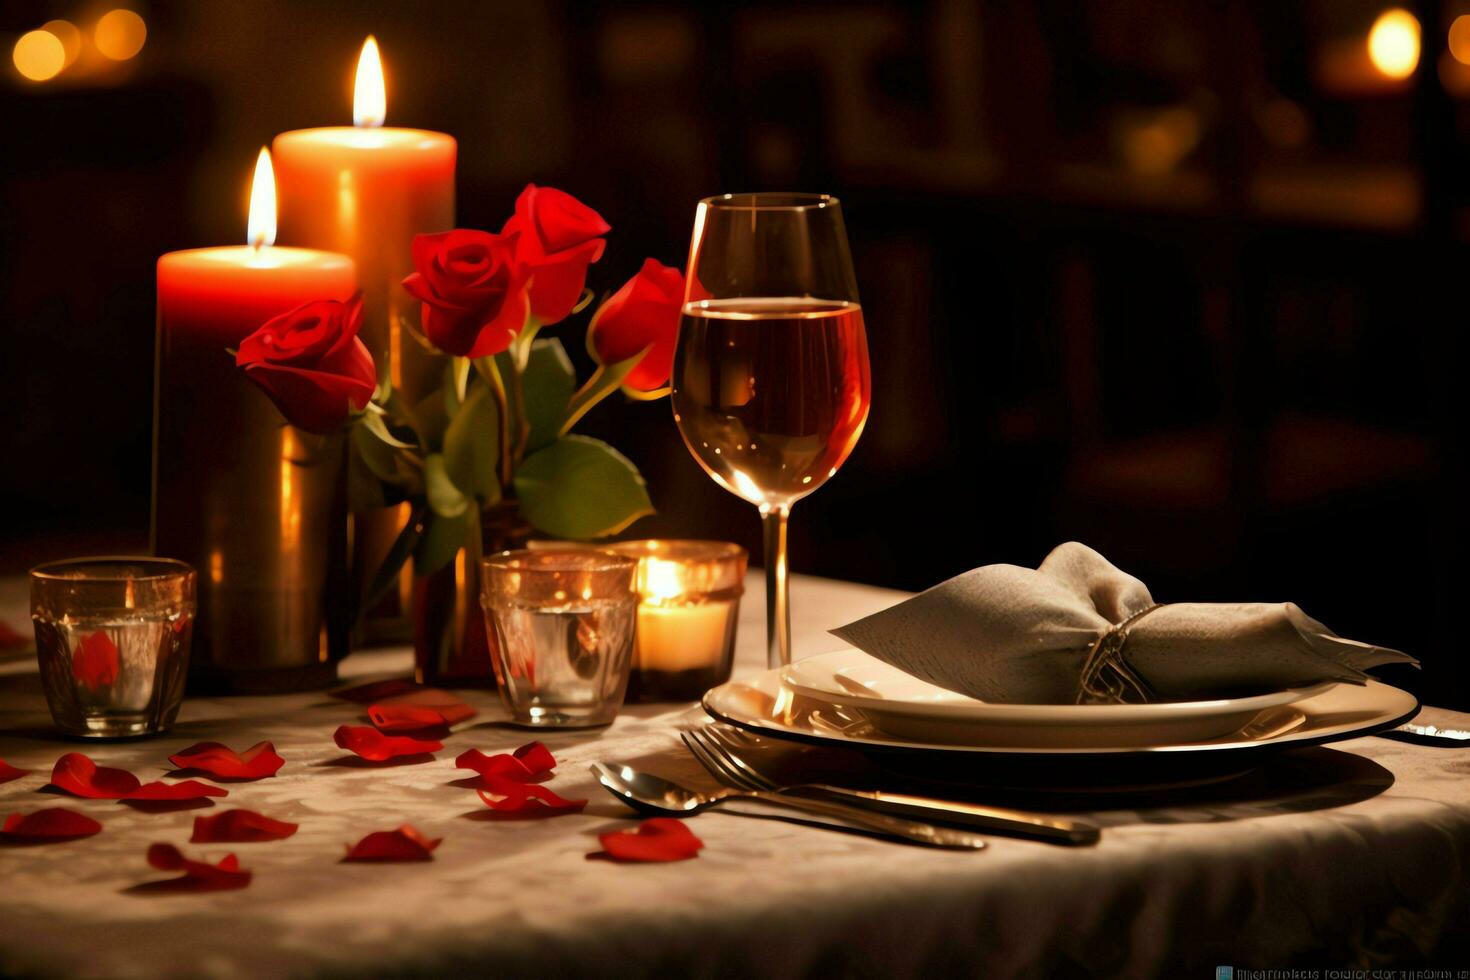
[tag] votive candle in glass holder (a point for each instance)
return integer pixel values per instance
(689, 603)
(112, 638)
(563, 624)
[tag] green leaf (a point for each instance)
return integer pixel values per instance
(441, 541)
(579, 487)
(549, 383)
(364, 488)
(370, 451)
(432, 420)
(445, 498)
(375, 425)
(472, 446)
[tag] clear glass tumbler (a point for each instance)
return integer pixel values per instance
(563, 619)
(112, 637)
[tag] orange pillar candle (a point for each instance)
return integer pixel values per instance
(253, 504)
(366, 190)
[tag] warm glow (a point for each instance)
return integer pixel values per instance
(39, 55)
(120, 34)
(659, 580)
(1460, 39)
(261, 229)
(369, 98)
(66, 32)
(1393, 43)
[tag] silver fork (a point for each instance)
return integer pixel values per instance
(713, 747)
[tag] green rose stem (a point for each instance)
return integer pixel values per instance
(604, 381)
(490, 371)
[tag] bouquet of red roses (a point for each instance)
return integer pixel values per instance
(500, 425)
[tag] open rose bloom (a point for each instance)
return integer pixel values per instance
(312, 364)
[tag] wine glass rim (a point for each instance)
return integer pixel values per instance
(771, 201)
(112, 568)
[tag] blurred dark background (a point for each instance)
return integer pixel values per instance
(1181, 279)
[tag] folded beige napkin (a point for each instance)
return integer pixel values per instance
(1016, 635)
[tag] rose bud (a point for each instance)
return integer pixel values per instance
(559, 238)
(312, 364)
(473, 293)
(642, 316)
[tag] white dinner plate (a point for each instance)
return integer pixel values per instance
(901, 704)
(765, 705)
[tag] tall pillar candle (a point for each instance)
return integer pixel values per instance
(257, 506)
(366, 190)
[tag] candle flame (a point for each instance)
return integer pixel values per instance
(261, 229)
(660, 580)
(369, 97)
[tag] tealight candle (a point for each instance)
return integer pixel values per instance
(689, 603)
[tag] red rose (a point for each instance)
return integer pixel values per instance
(312, 364)
(474, 294)
(642, 316)
(559, 238)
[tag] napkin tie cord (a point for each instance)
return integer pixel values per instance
(1107, 678)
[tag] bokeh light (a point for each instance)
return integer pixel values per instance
(71, 39)
(120, 34)
(1393, 43)
(39, 55)
(1460, 39)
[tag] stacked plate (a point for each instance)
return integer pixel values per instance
(849, 698)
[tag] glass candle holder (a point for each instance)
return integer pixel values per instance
(689, 603)
(112, 637)
(563, 624)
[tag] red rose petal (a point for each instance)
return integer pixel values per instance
(52, 824)
(9, 772)
(531, 762)
(188, 789)
(371, 744)
(377, 690)
(221, 762)
(80, 776)
(200, 874)
(403, 844)
(511, 796)
(11, 638)
(406, 717)
(659, 839)
(239, 827)
(95, 661)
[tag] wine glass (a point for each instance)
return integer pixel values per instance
(770, 382)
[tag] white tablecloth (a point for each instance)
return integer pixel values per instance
(1367, 869)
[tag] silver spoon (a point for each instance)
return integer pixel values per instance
(648, 793)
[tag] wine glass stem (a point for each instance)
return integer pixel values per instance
(778, 604)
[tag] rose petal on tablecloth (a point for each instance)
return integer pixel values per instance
(403, 844)
(54, 824)
(11, 638)
(373, 745)
(78, 775)
(532, 762)
(9, 772)
(221, 762)
(187, 789)
(199, 875)
(658, 839)
(511, 797)
(239, 827)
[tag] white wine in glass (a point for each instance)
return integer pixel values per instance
(771, 384)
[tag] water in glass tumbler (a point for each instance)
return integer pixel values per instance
(112, 638)
(771, 394)
(109, 676)
(565, 665)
